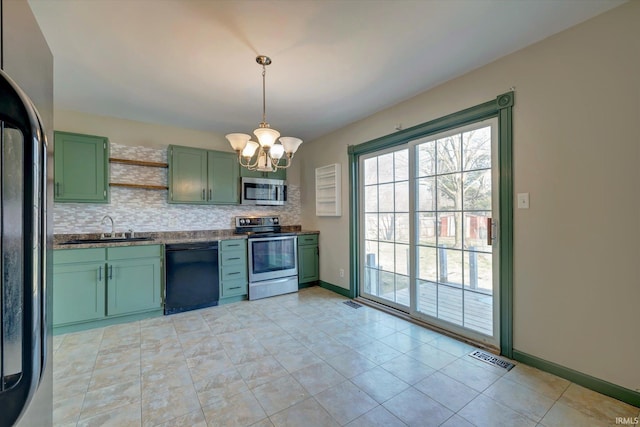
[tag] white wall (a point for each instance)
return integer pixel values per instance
(577, 152)
(148, 210)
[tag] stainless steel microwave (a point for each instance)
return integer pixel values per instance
(263, 191)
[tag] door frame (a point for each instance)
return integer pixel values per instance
(500, 107)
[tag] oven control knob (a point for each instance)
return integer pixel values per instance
(242, 222)
(275, 220)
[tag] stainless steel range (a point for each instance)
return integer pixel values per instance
(273, 256)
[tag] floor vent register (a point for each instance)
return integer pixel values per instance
(352, 304)
(491, 359)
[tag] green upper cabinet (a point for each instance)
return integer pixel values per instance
(187, 175)
(279, 174)
(202, 177)
(223, 176)
(81, 168)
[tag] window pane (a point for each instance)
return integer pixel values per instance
(401, 165)
(402, 196)
(448, 151)
(426, 159)
(385, 168)
(475, 231)
(402, 289)
(387, 285)
(449, 191)
(450, 267)
(402, 259)
(427, 298)
(450, 304)
(371, 226)
(387, 260)
(372, 281)
(426, 194)
(478, 271)
(371, 253)
(386, 198)
(476, 148)
(427, 265)
(371, 198)
(478, 312)
(386, 227)
(426, 228)
(371, 171)
(402, 228)
(450, 230)
(477, 190)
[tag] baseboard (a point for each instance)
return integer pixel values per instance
(601, 386)
(307, 285)
(108, 321)
(337, 289)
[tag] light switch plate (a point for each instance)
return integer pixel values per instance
(523, 200)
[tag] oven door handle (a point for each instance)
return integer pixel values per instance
(264, 239)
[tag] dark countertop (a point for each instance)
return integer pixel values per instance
(161, 237)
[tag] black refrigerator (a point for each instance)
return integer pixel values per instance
(26, 123)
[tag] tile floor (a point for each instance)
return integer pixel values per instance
(304, 359)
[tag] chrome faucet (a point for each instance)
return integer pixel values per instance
(113, 227)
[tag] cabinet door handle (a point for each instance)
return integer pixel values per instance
(233, 259)
(100, 274)
(235, 272)
(210, 194)
(203, 193)
(110, 272)
(235, 287)
(57, 188)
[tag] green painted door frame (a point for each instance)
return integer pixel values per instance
(502, 108)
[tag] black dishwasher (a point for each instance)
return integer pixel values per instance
(191, 276)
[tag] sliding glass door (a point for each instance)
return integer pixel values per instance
(427, 235)
(386, 228)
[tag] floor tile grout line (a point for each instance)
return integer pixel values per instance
(248, 324)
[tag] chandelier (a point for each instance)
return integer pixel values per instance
(269, 150)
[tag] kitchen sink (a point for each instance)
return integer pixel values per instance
(107, 240)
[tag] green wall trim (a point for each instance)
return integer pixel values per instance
(337, 289)
(500, 107)
(601, 386)
(354, 224)
(460, 118)
(505, 218)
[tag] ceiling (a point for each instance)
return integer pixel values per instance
(191, 63)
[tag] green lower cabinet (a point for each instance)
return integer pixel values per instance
(78, 292)
(92, 287)
(234, 283)
(133, 286)
(308, 259)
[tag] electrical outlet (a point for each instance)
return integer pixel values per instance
(523, 200)
(342, 272)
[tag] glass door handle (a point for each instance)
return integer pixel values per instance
(491, 231)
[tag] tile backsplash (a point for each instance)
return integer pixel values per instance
(148, 210)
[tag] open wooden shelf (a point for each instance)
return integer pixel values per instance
(143, 186)
(139, 163)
